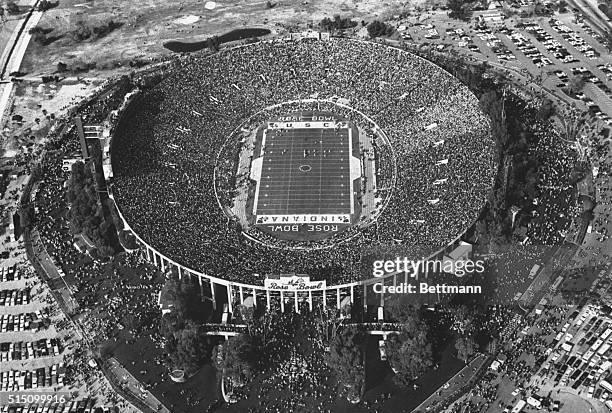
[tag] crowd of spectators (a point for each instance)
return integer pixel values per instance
(556, 204)
(522, 352)
(165, 151)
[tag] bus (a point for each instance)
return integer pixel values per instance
(518, 408)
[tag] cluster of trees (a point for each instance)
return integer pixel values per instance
(213, 43)
(45, 5)
(42, 37)
(606, 7)
(86, 213)
(76, 66)
(346, 359)
(575, 84)
(460, 9)
(85, 31)
(187, 346)
(271, 337)
(12, 7)
(338, 23)
(380, 29)
(464, 327)
(410, 352)
(238, 358)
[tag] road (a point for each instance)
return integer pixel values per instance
(13, 55)
(454, 385)
(591, 13)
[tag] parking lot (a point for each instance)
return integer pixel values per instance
(549, 51)
(580, 355)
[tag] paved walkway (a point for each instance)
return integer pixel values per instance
(368, 201)
(239, 208)
(134, 386)
(454, 384)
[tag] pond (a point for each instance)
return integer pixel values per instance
(237, 34)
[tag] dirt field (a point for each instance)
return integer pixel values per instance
(147, 24)
(35, 103)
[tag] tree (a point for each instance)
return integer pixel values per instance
(12, 7)
(237, 358)
(41, 36)
(105, 28)
(86, 213)
(606, 39)
(173, 296)
(465, 348)
(459, 9)
(605, 9)
(189, 348)
(575, 84)
(409, 352)
(378, 29)
(212, 43)
(182, 297)
(81, 32)
(45, 5)
(346, 359)
(493, 106)
(546, 110)
(338, 23)
(61, 67)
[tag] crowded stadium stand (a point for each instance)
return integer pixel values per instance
(175, 179)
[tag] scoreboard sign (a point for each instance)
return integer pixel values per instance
(293, 283)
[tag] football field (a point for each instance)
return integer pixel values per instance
(305, 171)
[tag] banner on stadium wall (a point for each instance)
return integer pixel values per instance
(304, 219)
(305, 125)
(293, 283)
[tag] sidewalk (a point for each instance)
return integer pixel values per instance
(129, 382)
(455, 385)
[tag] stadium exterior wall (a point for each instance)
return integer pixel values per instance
(244, 290)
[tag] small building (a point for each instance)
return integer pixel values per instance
(491, 18)
(534, 401)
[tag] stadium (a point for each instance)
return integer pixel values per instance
(296, 157)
